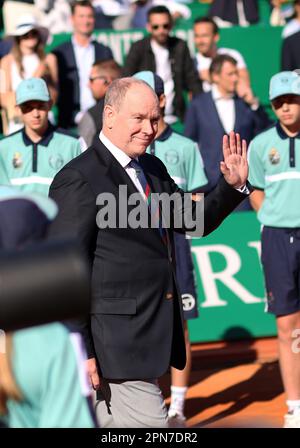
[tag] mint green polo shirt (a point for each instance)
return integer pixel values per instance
(32, 166)
(181, 157)
(274, 166)
(47, 369)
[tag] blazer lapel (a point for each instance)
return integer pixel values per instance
(215, 118)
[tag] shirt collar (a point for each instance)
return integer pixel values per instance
(118, 154)
(45, 140)
(282, 134)
(75, 44)
(165, 134)
(217, 95)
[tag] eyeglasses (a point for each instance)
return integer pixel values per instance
(30, 34)
(165, 26)
(105, 80)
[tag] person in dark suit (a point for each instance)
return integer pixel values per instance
(290, 54)
(135, 329)
(212, 114)
(167, 56)
(75, 59)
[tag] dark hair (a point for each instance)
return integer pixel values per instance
(207, 20)
(219, 61)
(18, 56)
(86, 3)
(159, 9)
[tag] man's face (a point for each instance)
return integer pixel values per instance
(99, 83)
(159, 26)
(204, 38)
(134, 126)
(287, 110)
(83, 20)
(227, 79)
(35, 114)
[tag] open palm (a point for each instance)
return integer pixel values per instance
(235, 165)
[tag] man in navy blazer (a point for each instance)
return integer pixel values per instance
(212, 114)
(75, 59)
(135, 329)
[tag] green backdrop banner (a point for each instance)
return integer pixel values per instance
(259, 44)
(230, 282)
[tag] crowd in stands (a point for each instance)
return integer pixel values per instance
(52, 102)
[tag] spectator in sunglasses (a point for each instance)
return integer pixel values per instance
(168, 57)
(101, 76)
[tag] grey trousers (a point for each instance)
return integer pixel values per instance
(131, 404)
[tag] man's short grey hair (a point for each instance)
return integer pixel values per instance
(117, 90)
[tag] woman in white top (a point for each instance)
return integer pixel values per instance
(27, 59)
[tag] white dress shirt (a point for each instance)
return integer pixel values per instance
(123, 160)
(163, 69)
(85, 57)
(225, 108)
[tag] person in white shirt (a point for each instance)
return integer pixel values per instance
(293, 26)
(75, 59)
(206, 37)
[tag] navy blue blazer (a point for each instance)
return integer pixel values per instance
(203, 125)
(69, 96)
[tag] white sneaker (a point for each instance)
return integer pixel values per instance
(176, 419)
(291, 421)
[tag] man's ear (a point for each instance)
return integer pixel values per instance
(148, 27)
(217, 38)
(162, 101)
(109, 116)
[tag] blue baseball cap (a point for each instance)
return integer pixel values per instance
(284, 83)
(152, 79)
(33, 89)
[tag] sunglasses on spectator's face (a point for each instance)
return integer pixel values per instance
(165, 26)
(31, 34)
(105, 80)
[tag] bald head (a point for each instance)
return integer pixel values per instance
(118, 89)
(131, 115)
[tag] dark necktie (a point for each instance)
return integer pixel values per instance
(153, 203)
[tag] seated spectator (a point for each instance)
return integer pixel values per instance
(293, 26)
(227, 13)
(75, 59)
(102, 75)
(212, 114)
(206, 36)
(26, 59)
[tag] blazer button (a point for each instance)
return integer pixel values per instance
(169, 295)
